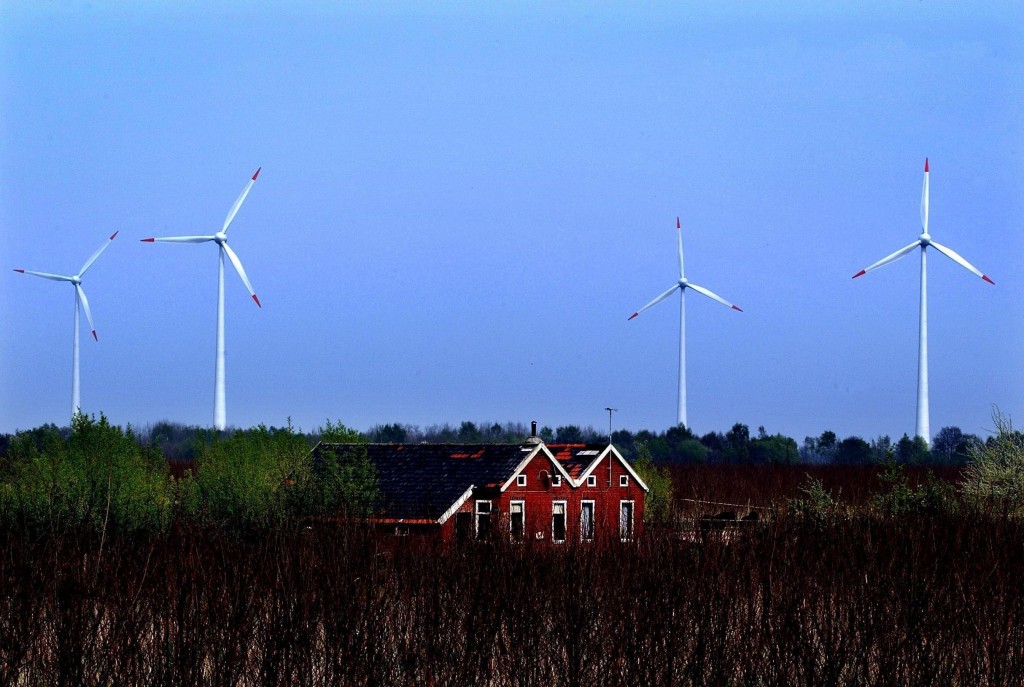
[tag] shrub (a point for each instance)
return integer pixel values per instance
(817, 503)
(994, 479)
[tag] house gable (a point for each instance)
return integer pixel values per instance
(613, 454)
(539, 451)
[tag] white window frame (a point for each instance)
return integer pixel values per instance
(556, 480)
(591, 480)
(565, 516)
(632, 520)
(511, 509)
(477, 513)
(623, 480)
(520, 480)
(593, 520)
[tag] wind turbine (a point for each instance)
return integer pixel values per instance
(924, 240)
(221, 239)
(81, 302)
(683, 284)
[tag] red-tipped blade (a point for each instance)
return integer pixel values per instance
(736, 307)
(632, 316)
(678, 226)
(115, 234)
(257, 300)
(21, 271)
(147, 240)
(985, 277)
(926, 164)
(859, 274)
(256, 174)
(94, 335)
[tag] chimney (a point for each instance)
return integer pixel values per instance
(533, 439)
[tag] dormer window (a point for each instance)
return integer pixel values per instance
(591, 480)
(623, 480)
(521, 481)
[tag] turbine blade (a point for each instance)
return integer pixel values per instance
(924, 199)
(180, 239)
(679, 235)
(889, 258)
(241, 272)
(46, 275)
(238, 203)
(80, 292)
(957, 258)
(91, 260)
(713, 296)
(657, 300)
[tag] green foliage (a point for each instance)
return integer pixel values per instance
(933, 497)
(246, 479)
(658, 504)
(994, 480)
(338, 433)
(912, 451)
(817, 504)
(98, 478)
(774, 450)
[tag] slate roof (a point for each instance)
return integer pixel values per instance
(576, 458)
(422, 481)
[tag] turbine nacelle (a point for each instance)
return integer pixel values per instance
(220, 237)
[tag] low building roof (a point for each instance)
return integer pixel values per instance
(419, 481)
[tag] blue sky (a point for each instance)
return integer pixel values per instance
(461, 204)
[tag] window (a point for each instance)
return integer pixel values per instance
(483, 519)
(558, 521)
(626, 520)
(587, 520)
(521, 481)
(556, 481)
(591, 480)
(623, 480)
(517, 520)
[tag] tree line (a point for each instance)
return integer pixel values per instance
(180, 443)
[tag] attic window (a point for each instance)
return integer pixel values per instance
(588, 453)
(623, 480)
(591, 480)
(556, 481)
(521, 481)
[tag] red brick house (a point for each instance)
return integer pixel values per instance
(554, 493)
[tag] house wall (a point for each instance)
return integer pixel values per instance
(539, 496)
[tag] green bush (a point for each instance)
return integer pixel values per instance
(98, 478)
(933, 497)
(817, 503)
(658, 504)
(994, 479)
(248, 479)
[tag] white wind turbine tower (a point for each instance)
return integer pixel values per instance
(924, 240)
(683, 284)
(81, 303)
(221, 238)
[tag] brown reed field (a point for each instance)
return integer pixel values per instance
(856, 597)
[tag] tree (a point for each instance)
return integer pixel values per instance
(952, 446)
(853, 451)
(737, 444)
(773, 450)
(569, 434)
(911, 451)
(658, 502)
